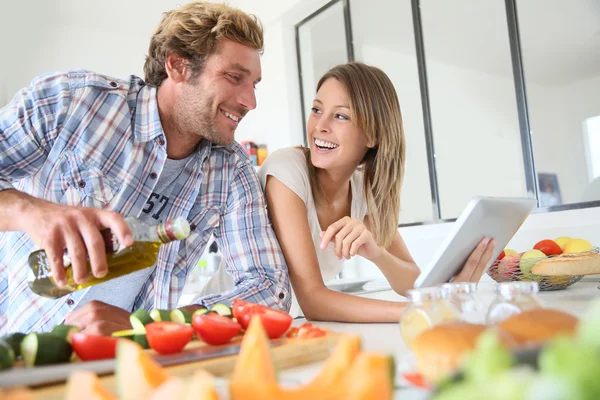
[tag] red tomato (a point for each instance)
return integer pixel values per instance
(292, 333)
(91, 347)
(240, 310)
(215, 329)
(168, 337)
(275, 322)
(416, 379)
(548, 247)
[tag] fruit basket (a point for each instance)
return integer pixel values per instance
(518, 267)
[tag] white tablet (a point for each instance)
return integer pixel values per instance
(493, 217)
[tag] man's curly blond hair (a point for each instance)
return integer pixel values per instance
(193, 31)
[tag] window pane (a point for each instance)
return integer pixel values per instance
(322, 46)
(391, 47)
(473, 104)
(561, 60)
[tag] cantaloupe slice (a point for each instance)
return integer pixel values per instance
(370, 377)
(201, 387)
(136, 372)
(338, 363)
(172, 388)
(254, 375)
(86, 385)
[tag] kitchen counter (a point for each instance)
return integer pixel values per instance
(386, 338)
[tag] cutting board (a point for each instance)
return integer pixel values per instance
(286, 353)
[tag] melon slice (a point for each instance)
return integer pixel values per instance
(338, 363)
(172, 388)
(136, 372)
(371, 377)
(86, 385)
(254, 375)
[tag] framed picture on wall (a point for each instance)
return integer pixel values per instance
(549, 189)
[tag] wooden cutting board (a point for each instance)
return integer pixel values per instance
(286, 353)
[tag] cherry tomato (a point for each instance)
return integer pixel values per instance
(215, 329)
(92, 347)
(168, 337)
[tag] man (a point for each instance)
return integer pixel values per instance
(155, 150)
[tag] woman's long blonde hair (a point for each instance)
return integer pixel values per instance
(376, 112)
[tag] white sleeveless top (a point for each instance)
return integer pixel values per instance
(288, 165)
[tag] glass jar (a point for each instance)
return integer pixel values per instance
(512, 298)
(463, 296)
(426, 309)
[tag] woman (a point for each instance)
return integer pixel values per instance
(341, 197)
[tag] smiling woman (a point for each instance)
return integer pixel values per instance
(340, 197)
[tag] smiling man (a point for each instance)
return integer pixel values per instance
(79, 151)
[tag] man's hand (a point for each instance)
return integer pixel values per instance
(55, 227)
(98, 318)
(475, 265)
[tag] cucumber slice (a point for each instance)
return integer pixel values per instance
(44, 349)
(65, 331)
(140, 319)
(160, 315)
(182, 316)
(14, 340)
(7, 355)
(140, 338)
(127, 334)
(222, 309)
(200, 311)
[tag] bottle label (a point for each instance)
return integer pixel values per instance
(165, 232)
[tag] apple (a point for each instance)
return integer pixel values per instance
(508, 268)
(509, 251)
(528, 260)
(548, 247)
(577, 246)
(561, 241)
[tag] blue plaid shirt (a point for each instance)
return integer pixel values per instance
(80, 138)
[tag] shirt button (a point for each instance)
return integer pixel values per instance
(193, 227)
(153, 175)
(70, 302)
(81, 184)
(161, 141)
(113, 84)
(281, 296)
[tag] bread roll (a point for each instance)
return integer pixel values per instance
(538, 325)
(568, 264)
(439, 351)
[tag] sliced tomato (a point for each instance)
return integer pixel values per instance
(416, 379)
(292, 332)
(241, 312)
(168, 337)
(215, 329)
(92, 347)
(275, 322)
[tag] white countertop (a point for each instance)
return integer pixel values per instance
(386, 338)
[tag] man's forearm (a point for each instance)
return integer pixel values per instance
(13, 204)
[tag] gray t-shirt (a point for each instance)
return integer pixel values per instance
(121, 292)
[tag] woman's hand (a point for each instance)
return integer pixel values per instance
(351, 237)
(475, 265)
